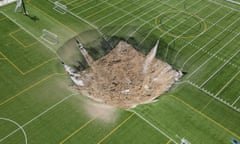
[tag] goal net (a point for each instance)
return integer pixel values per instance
(18, 7)
(59, 7)
(49, 37)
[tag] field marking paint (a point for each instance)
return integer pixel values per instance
(19, 127)
(205, 116)
(30, 87)
(201, 20)
(212, 25)
(97, 12)
(126, 14)
(227, 83)
(32, 69)
(44, 13)
(79, 4)
(115, 11)
(89, 8)
(211, 54)
(87, 22)
(215, 2)
(116, 128)
(149, 21)
(233, 1)
(233, 38)
(209, 102)
(39, 115)
(71, 3)
(219, 69)
(196, 37)
(76, 131)
(236, 100)
(11, 34)
(153, 126)
(169, 142)
(213, 96)
(27, 31)
(166, 32)
(132, 20)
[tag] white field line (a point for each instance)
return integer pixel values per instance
(121, 9)
(69, 3)
(90, 24)
(120, 1)
(82, 4)
(235, 54)
(89, 8)
(227, 83)
(166, 32)
(153, 126)
(37, 38)
(150, 20)
(36, 117)
(87, 22)
(234, 2)
(207, 52)
(209, 102)
(213, 96)
(212, 22)
(213, 1)
(236, 100)
(130, 12)
(115, 11)
(19, 127)
(215, 52)
(132, 20)
(175, 57)
(212, 26)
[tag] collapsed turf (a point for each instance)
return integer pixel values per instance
(125, 77)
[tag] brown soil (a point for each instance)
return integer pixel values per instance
(118, 79)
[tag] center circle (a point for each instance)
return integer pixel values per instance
(181, 24)
(16, 125)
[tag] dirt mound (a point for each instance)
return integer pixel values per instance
(125, 77)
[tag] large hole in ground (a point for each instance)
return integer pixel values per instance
(115, 71)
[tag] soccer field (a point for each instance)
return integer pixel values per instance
(201, 38)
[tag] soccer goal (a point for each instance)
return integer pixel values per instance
(59, 7)
(18, 7)
(49, 37)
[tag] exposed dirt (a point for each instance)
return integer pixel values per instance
(118, 78)
(102, 112)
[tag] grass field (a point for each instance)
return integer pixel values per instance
(201, 38)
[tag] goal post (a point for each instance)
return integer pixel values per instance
(18, 7)
(59, 7)
(49, 37)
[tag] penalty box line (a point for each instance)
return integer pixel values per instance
(28, 71)
(11, 34)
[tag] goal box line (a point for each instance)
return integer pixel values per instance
(49, 37)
